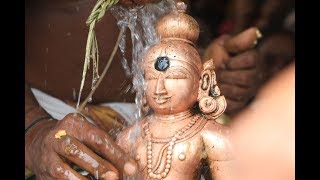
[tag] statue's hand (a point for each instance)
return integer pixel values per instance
(56, 146)
(237, 67)
(137, 2)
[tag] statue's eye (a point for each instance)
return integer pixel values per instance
(150, 76)
(176, 75)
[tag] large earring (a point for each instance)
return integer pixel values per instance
(207, 105)
(210, 101)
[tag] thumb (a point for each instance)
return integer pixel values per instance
(216, 51)
(243, 41)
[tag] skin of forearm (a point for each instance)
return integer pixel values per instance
(33, 111)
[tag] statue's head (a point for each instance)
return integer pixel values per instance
(175, 77)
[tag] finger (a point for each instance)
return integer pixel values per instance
(244, 78)
(234, 107)
(75, 151)
(57, 169)
(216, 52)
(245, 60)
(106, 117)
(100, 141)
(243, 41)
(237, 93)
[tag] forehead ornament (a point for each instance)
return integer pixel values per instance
(162, 63)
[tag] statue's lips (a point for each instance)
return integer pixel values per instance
(161, 99)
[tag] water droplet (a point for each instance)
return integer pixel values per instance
(94, 82)
(96, 174)
(74, 94)
(45, 84)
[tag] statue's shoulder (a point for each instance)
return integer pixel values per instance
(213, 126)
(217, 140)
(130, 134)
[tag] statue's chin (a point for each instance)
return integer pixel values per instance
(169, 107)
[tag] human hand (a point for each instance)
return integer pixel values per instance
(53, 148)
(276, 51)
(237, 67)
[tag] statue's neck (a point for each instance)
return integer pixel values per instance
(164, 126)
(172, 118)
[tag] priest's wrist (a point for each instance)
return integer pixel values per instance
(37, 122)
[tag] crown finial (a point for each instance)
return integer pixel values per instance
(181, 7)
(178, 26)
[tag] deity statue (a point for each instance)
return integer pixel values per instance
(180, 133)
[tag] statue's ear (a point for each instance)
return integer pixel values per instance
(205, 84)
(206, 79)
(209, 98)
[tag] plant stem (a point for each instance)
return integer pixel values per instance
(115, 48)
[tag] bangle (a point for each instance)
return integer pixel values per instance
(36, 121)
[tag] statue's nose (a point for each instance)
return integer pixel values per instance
(160, 87)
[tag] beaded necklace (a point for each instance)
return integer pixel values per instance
(172, 142)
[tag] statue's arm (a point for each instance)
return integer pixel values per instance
(122, 140)
(218, 147)
(127, 139)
